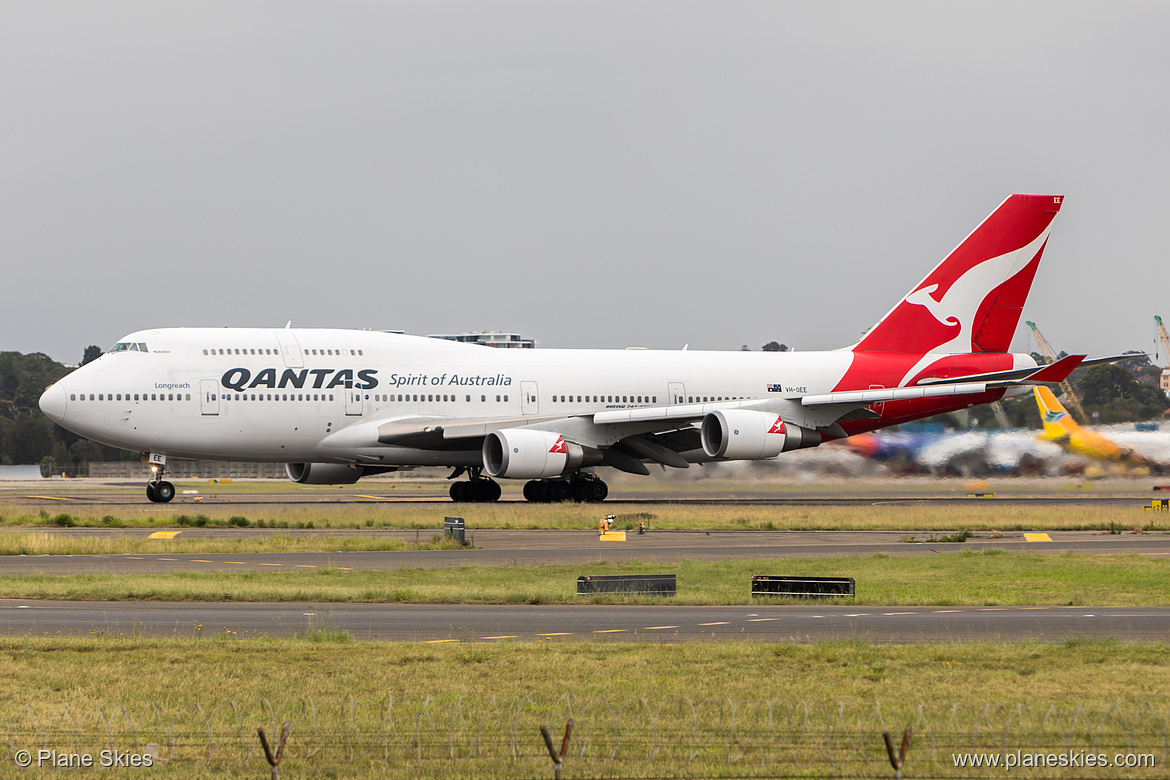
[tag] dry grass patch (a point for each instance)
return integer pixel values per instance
(979, 515)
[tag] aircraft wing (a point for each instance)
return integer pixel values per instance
(672, 427)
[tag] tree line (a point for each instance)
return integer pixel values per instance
(26, 435)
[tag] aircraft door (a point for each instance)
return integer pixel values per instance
(676, 393)
(209, 397)
(354, 400)
(290, 349)
(529, 403)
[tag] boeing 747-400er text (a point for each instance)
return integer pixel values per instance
(335, 405)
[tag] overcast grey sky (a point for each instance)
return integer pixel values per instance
(589, 174)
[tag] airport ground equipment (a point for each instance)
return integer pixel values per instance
(1070, 398)
(649, 584)
(771, 585)
(455, 528)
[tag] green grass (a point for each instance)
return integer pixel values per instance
(963, 578)
(398, 710)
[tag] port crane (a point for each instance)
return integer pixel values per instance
(1070, 399)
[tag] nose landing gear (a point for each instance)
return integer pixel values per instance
(159, 490)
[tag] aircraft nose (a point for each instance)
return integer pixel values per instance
(53, 403)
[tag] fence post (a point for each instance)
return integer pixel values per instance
(896, 761)
(558, 759)
(274, 760)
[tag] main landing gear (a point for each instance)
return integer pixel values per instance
(584, 488)
(478, 489)
(159, 490)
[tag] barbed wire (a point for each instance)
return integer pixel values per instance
(665, 737)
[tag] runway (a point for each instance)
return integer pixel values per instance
(512, 547)
(942, 492)
(497, 547)
(451, 623)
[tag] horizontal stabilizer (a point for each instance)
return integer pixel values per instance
(1031, 375)
(1111, 359)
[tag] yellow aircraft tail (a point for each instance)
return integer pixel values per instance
(1058, 423)
(1060, 427)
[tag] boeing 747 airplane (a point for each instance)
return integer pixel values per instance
(337, 405)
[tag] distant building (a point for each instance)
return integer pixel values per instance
(488, 339)
(1165, 381)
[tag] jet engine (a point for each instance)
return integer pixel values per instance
(323, 473)
(517, 453)
(742, 434)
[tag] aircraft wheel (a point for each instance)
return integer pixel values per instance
(459, 492)
(150, 492)
(491, 491)
(163, 492)
(582, 490)
(559, 490)
(598, 491)
(537, 491)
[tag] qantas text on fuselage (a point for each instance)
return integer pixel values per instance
(335, 405)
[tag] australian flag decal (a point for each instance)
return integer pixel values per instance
(775, 388)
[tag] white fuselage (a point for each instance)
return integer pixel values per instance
(282, 395)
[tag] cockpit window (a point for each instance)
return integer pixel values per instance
(129, 346)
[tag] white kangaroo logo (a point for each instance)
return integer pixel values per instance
(962, 299)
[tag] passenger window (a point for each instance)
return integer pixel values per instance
(505, 399)
(73, 396)
(204, 352)
(497, 399)
(483, 398)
